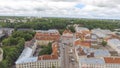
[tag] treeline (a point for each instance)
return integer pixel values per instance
(103, 24)
(61, 23)
(43, 24)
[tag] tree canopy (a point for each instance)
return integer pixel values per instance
(11, 53)
(46, 49)
(61, 23)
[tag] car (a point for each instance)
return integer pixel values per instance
(71, 51)
(72, 59)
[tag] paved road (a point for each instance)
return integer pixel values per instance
(66, 59)
(67, 63)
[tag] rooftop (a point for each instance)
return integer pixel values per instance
(112, 60)
(82, 43)
(115, 44)
(101, 33)
(101, 52)
(46, 35)
(91, 61)
(48, 31)
(79, 29)
(67, 32)
(27, 60)
(27, 52)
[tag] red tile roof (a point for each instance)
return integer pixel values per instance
(67, 31)
(47, 36)
(82, 43)
(82, 34)
(112, 60)
(47, 57)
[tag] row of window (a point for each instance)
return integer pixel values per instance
(38, 65)
(100, 66)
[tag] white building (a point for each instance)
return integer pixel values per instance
(27, 52)
(101, 33)
(26, 59)
(98, 35)
(80, 29)
(115, 44)
(91, 63)
(83, 52)
(112, 62)
(1, 54)
(105, 62)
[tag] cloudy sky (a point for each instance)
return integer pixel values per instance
(61, 8)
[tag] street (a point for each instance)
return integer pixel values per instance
(69, 58)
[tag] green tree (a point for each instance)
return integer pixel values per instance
(104, 43)
(27, 35)
(11, 53)
(72, 29)
(46, 49)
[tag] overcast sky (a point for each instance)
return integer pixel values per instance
(61, 8)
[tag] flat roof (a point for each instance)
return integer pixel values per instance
(48, 31)
(92, 61)
(101, 33)
(114, 42)
(27, 60)
(81, 29)
(101, 52)
(27, 52)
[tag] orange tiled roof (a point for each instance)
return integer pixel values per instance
(47, 57)
(67, 31)
(54, 54)
(82, 43)
(112, 60)
(112, 37)
(47, 36)
(82, 33)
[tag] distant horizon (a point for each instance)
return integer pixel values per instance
(98, 9)
(62, 17)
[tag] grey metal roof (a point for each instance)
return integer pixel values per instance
(115, 42)
(27, 53)
(92, 61)
(101, 33)
(101, 53)
(27, 60)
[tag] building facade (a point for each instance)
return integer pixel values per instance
(1, 54)
(45, 37)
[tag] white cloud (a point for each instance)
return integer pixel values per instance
(91, 8)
